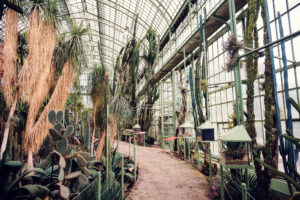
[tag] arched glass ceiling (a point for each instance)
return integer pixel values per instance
(108, 20)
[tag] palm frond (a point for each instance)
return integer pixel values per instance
(49, 10)
(72, 49)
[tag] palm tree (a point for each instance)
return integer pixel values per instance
(99, 82)
(11, 92)
(71, 65)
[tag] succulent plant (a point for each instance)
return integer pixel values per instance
(67, 159)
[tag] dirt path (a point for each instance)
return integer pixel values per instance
(162, 177)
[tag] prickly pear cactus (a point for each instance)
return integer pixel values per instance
(64, 155)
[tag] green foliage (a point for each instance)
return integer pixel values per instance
(22, 50)
(49, 10)
(98, 83)
(70, 50)
(235, 150)
(233, 180)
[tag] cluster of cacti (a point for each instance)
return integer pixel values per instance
(66, 159)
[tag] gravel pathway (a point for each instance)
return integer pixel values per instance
(163, 177)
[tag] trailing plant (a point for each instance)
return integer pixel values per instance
(232, 47)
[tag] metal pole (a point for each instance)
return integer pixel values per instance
(281, 146)
(88, 131)
(99, 186)
(118, 141)
(210, 168)
(244, 191)
(292, 151)
(134, 158)
(233, 31)
(198, 151)
(107, 144)
(188, 147)
(238, 88)
(297, 33)
(173, 109)
(184, 148)
(162, 139)
(129, 146)
(122, 177)
(222, 182)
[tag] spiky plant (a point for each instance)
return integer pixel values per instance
(98, 80)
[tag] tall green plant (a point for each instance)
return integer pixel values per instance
(129, 69)
(98, 82)
(152, 92)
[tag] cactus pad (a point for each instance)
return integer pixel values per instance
(86, 171)
(73, 175)
(62, 145)
(87, 156)
(52, 117)
(81, 161)
(60, 115)
(61, 174)
(58, 127)
(62, 162)
(54, 134)
(64, 191)
(69, 131)
(83, 180)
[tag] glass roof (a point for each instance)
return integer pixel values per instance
(108, 21)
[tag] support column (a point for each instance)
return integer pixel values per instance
(162, 135)
(173, 110)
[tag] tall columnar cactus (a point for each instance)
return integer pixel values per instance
(294, 179)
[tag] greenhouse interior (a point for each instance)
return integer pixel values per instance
(149, 99)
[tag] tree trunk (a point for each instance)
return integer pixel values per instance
(29, 159)
(7, 124)
(100, 147)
